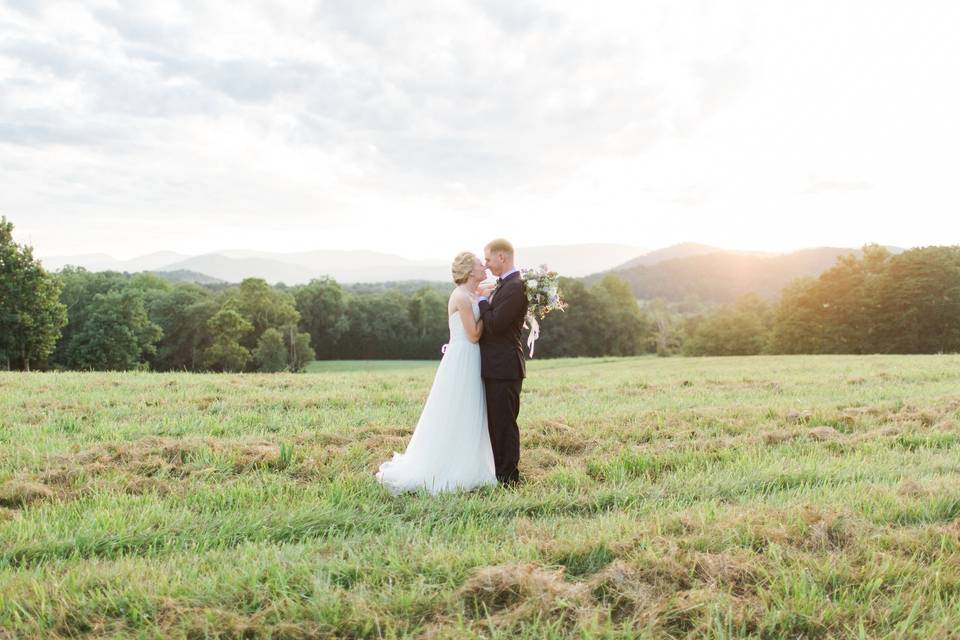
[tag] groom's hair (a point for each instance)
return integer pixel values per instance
(500, 246)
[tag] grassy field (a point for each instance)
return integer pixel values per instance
(372, 366)
(769, 497)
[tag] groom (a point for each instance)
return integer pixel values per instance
(501, 357)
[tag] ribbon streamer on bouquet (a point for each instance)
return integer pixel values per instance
(534, 332)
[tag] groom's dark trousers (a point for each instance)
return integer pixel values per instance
(503, 369)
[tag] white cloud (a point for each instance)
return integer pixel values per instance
(423, 128)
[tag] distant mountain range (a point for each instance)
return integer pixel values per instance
(682, 272)
(683, 250)
(708, 274)
(344, 266)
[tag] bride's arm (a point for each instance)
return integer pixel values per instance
(473, 328)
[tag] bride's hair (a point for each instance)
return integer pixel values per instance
(462, 266)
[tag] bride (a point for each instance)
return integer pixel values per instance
(450, 448)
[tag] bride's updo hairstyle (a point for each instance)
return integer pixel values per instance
(462, 266)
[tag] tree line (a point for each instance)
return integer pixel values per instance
(876, 302)
(75, 319)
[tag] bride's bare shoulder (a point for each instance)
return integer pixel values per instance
(458, 298)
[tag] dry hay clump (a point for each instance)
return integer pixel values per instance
(736, 572)
(873, 435)
(953, 528)
(383, 447)
(512, 593)
(806, 527)
(151, 464)
(677, 595)
(693, 612)
(910, 488)
(538, 462)
(556, 435)
(673, 596)
(923, 417)
(206, 622)
(946, 425)
(153, 456)
(781, 436)
(19, 493)
(622, 588)
(799, 417)
(823, 433)
(825, 530)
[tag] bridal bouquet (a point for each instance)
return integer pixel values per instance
(543, 291)
(543, 296)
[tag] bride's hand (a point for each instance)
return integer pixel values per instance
(484, 288)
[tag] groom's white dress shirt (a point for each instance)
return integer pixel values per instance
(501, 278)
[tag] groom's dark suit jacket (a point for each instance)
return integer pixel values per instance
(501, 349)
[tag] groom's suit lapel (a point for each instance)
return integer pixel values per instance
(501, 283)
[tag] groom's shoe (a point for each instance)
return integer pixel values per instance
(511, 481)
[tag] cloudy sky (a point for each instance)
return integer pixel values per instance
(423, 127)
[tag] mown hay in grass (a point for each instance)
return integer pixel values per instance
(538, 462)
(695, 613)
(205, 622)
(140, 486)
(823, 433)
(558, 436)
(738, 573)
(620, 587)
(149, 465)
(779, 437)
(383, 448)
(928, 418)
(911, 488)
(872, 435)
(826, 530)
(953, 528)
(662, 567)
(322, 438)
(512, 593)
(946, 425)
(19, 493)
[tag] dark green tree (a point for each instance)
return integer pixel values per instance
(182, 312)
(919, 302)
(79, 290)
(227, 330)
(838, 312)
(428, 315)
(322, 305)
(798, 324)
(284, 349)
(623, 329)
(569, 333)
(31, 314)
(271, 353)
(263, 307)
(380, 327)
(117, 334)
(739, 329)
(667, 337)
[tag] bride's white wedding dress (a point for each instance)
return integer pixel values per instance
(450, 447)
